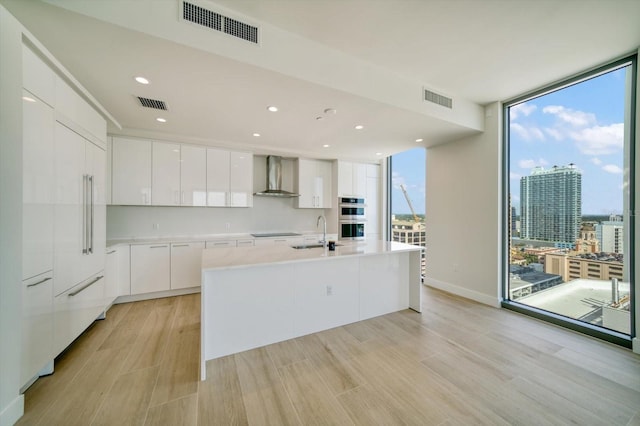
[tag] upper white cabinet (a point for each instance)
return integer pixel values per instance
(372, 230)
(131, 173)
(313, 184)
(352, 179)
(70, 105)
(37, 186)
(193, 176)
(37, 77)
(165, 172)
(229, 178)
(186, 264)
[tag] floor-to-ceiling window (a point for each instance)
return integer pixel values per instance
(570, 176)
(407, 198)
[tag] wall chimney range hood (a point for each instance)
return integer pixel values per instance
(274, 179)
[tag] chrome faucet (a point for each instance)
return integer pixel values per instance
(324, 230)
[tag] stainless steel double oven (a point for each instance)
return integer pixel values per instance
(351, 218)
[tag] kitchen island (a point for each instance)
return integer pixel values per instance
(256, 296)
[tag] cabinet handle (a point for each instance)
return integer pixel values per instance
(157, 246)
(39, 282)
(84, 287)
(221, 244)
(279, 241)
(111, 252)
(84, 214)
(91, 216)
(180, 245)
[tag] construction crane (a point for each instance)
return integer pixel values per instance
(406, 196)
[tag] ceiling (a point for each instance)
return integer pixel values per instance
(367, 59)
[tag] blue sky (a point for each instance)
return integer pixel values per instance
(581, 124)
(408, 169)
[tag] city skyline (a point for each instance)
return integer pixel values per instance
(581, 124)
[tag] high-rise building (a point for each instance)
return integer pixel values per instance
(550, 205)
(610, 234)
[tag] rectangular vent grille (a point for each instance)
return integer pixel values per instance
(435, 98)
(152, 103)
(215, 21)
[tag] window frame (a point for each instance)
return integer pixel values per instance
(630, 159)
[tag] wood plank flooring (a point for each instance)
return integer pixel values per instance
(456, 363)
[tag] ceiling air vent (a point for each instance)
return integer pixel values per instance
(215, 21)
(152, 103)
(435, 98)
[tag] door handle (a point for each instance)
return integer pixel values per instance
(92, 216)
(39, 282)
(86, 286)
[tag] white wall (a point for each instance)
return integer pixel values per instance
(11, 403)
(463, 213)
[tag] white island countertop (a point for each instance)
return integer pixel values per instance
(242, 257)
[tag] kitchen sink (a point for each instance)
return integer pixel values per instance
(309, 246)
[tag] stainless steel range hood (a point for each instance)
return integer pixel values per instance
(274, 179)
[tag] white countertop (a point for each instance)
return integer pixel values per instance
(240, 257)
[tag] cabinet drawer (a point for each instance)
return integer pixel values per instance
(37, 325)
(245, 243)
(76, 309)
(220, 243)
(150, 268)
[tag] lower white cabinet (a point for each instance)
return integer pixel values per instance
(291, 241)
(111, 276)
(186, 264)
(150, 268)
(220, 243)
(245, 243)
(124, 271)
(76, 309)
(37, 325)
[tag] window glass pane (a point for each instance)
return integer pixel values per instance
(568, 191)
(408, 198)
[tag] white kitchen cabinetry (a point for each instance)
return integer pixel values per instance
(37, 77)
(372, 229)
(313, 184)
(76, 309)
(245, 242)
(290, 241)
(80, 213)
(352, 179)
(37, 325)
(165, 172)
(124, 270)
(150, 268)
(220, 243)
(193, 176)
(38, 187)
(229, 178)
(186, 264)
(131, 172)
(111, 275)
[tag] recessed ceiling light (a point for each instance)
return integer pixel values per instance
(28, 99)
(330, 111)
(319, 118)
(378, 153)
(359, 127)
(257, 135)
(161, 120)
(326, 146)
(272, 108)
(142, 80)
(419, 140)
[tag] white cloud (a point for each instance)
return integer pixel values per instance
(613, 169)
(530, 164)
(600, 140)
(513, 175)
(397, 180)
(572, 117)
(527, 133)
(596, 161)
(521, 109)
(554, 133)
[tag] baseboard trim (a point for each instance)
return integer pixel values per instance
(156, 295)
(462, 292)
(12, 412)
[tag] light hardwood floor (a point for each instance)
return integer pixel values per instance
(457, 363)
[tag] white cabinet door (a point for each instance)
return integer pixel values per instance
(165, 172)
(37, 325)
(37, 77)
(240, 179)
(217, 177)
(245, 242)
(69, 213)
(186, 264)
(95, 167)
(345, 178)
(124, 271)
(220, 244)
(37, 186)
(150, 268)
(359, 179)
(193, 176)
(314, 184)
(372, 228)
(111, 275)
(75, 310)
(286, 241)
(131, 173)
